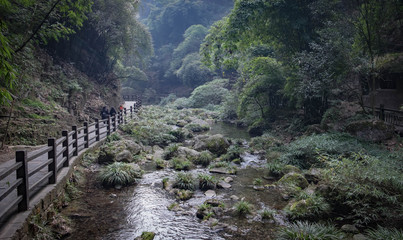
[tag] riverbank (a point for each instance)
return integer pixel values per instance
(260, 187)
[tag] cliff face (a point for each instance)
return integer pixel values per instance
(53, 96)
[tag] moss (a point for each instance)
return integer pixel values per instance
(183, 194)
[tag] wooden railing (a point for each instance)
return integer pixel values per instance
(32, 171)
(134, 98)
(390, 116)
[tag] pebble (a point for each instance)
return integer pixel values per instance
(113, 195)
(228, 179)
(233, 197)
(224, 185)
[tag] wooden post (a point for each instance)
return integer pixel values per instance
(86, 138)
(97, 129)
(131, 112)
(108, 128)
(125, 115)
(382, 112)
(66, 152)
(75, 144)
(23, 188)
(52, 167)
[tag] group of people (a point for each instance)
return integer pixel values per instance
(105, 113)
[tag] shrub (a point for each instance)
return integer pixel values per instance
(275, 168)
(382, 233)
(184, 181)
(194, 127)
(181, 164)
(119, 173)
(207, 181)
(264, 142)
(309, 231)
(179, 135)
(242, 208)
(204, 158)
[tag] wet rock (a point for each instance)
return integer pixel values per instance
(223, 184)
(210, 193)
(187, 152)
(370, 130)
(360, 237)
(228, 179)
(124, 156)
(349, 228)
(294, 179)
(213, 202)
(290, 169)
(60, 226)
(233, 197)
(112, 195)
(216, 144)
(220, 171)
(258, 188)
(118, 187)
(122, 150)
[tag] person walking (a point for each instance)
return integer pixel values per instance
(104, 113)
(112, 112)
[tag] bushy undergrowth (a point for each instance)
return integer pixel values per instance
(170, 151)
(233, 152)
(370, 187)
(309, 231)
(119, 173)
(304, 152)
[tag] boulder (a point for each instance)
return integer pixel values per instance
(217, 144)
(348, 228)
(187, 153)
(294, 179)
(210, 193)
(122, 150)
(371, 130)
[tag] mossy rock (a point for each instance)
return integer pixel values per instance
(183, 194)
(118, 151)
(217, 144)
(295, 179)
(146, 236)
(370, 130)
(291, 169)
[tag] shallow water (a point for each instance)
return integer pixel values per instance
(229, 130)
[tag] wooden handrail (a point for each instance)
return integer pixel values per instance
(58, 153)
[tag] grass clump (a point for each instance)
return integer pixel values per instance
(147, 236)
(206, 181)
(184, 181)
(181, 164)
(309, 231)
(170, 151)
(233, 152)
(243, 208)
(203, 159)
(267, 213)
(382, 233)
(308, 206)
(257, 182)
(159, 163)
(119, 173)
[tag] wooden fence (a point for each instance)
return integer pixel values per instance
(32, 171)
(390, 116)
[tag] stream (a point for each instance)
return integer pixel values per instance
(124, 214)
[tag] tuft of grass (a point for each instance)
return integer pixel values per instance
(382, 233)
(308, 231)
(257, 182)
(170, 152)
(204, 159)
(114, 137)
(181, 164)
(184, 181)
(207, 181)
(267, 213)
(119, 173)
(159, 163)
(243, 208)
(308, 206)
